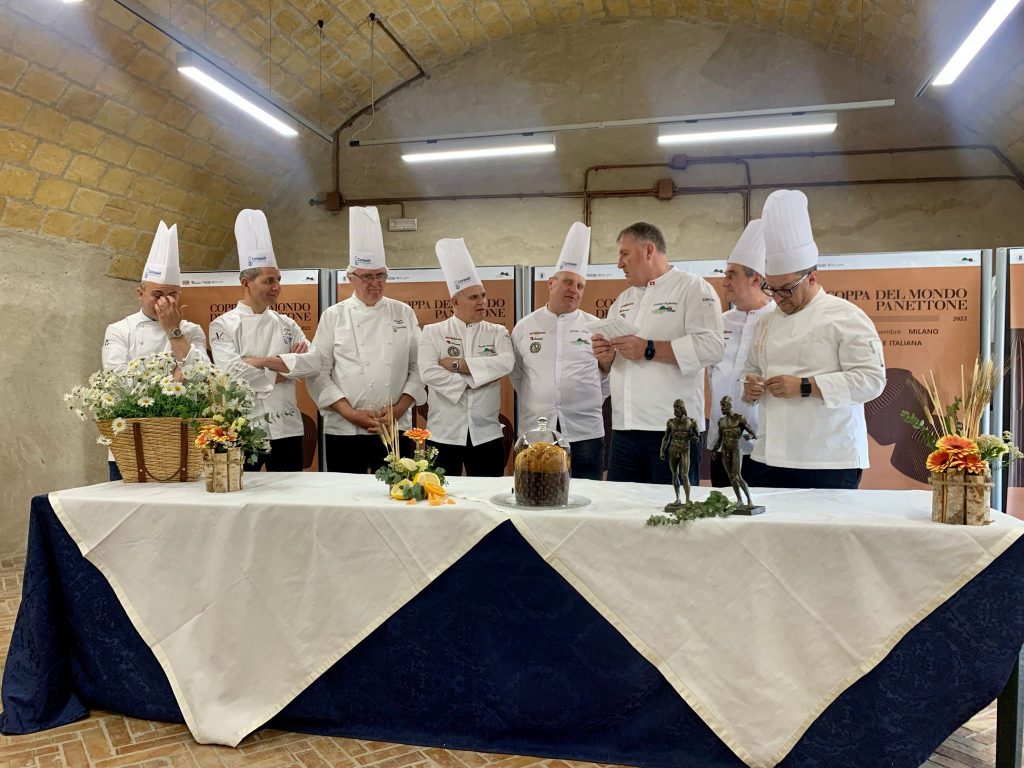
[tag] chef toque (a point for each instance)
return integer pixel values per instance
(162, 263)
(457, 265)
(575, 250)
(255, 248)
(749, 249)
(365, 239)
(789, 241)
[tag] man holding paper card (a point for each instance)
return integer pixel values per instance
(660, 335)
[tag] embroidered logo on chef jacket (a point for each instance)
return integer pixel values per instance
(625, 308)
(486, 350)
(535, 347)
(107, 341)
(397, 325)
(661, 309)
(454, 351)
(218, 336)
(288, 337)
(579, 341)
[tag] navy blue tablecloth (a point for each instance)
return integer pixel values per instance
(501, 654)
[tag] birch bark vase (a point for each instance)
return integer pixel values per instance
(960, 498)
(224, 470)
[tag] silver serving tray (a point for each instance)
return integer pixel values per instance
(509, 500)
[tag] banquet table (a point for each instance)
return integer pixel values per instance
(839, 628)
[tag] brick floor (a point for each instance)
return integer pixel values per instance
(106, 740)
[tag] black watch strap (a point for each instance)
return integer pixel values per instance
(649, 351)
(805, 387)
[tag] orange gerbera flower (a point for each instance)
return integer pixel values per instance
(971, 463)
(417, 434)
(956, 445)
(937, 461)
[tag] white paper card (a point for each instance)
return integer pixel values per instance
(613, 328)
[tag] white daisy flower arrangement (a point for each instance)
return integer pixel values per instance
(155, 387)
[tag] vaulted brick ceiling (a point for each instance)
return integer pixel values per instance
(276, 44)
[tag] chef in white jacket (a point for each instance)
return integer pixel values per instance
(814, 363)
(362, 364)
(556, 375)
(679, 322)
(462, 361)
(253, 330)
(744, 274)
(158, 326)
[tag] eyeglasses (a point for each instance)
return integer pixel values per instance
(785, 292)
(376, 277)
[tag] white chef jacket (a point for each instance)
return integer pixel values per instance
(242, 333)
(739, 330)
(459, 403)
(680, 307)
(833, 341)
(364, 354)
(137, 336)
(556, 374)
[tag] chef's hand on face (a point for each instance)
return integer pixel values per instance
(753, 388)
(602, 349)
(168, 312)
(783, 386)
(630, 347)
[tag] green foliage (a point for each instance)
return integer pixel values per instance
(716, 505)
(922, 431)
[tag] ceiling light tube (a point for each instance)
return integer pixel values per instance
(747, 128)
(985, 28)
(201, 71)
(478, 148)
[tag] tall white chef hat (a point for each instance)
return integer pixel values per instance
(788, 239)
(457, 264)
(749, 249)
(252, 234)
(162, 263)
(575, 250)
(365, 240)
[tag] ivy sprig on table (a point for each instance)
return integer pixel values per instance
(716, 505)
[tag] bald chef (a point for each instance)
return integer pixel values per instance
(462, 361)
(158, 326)
(556, 374)
(363, 358)
(252, 330)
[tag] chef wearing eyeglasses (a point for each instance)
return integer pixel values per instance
(362, 362)
(814, 362)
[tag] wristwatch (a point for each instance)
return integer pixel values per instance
(805, 387)
(649, 351)
(455, 365)
(175, 333)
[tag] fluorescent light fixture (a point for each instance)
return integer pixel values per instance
(69, 2)
(201, 71)
(985, 28)
(747, 128)
(480, 147)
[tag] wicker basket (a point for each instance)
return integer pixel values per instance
(156, 450)
(959, 498)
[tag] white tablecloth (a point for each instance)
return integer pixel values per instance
(758, 623)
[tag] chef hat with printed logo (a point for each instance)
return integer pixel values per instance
(788, 239)
(365, 239)
(575, 250)
(749, 249)
(457, 264)
(255, 248)
(162, 263)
